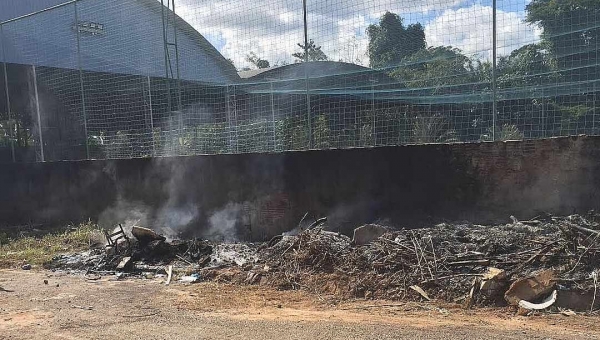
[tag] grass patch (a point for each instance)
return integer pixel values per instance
(34, 250)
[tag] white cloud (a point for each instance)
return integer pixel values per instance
(272, 28)
(470, 29)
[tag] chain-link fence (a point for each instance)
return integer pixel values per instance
(92, 79)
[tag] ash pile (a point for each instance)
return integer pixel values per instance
(141, 252)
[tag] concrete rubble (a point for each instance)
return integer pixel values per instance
(544, 263)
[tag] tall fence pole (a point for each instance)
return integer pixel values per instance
(373, 111)
(167, 78)
(37, 111)
(594, 109)
(5, 68)
(151, 115)
(273, 118)
(232, 120)
(229, 128)
(543, 115)
(81, 87)
(179, 102)
(178, 82)
(235, 122)
(494, 65)
(309, 115)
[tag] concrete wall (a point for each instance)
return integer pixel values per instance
(259, 195)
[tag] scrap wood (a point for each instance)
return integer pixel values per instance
(317, 223)
(580, 228)
(169, 275)
(533, 257)
(568, 312)
(420, 291)
(470, 262)
(531, 287)
(302, 220)
(595, 277)
(184, 260)
(475, 287)
(493, 280)
(451, 277)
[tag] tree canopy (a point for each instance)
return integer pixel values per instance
(390, 41)
(529, 65)
(435, 66)
(257, 61)
(571, 33)
(314, 53)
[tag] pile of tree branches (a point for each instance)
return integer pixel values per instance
(442, 260)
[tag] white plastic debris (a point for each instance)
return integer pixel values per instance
(549, 301)
(190, 278)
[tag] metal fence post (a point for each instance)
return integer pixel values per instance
(594, 108)
(151, 116)
(167, 82)
(230, 139)
(273, 118)
(235, 122)
(306, 59)
(544, 134)
(5, 68)
(232, 121)
(85, 127)
(37, 111)
(374, 112)
(494, 65)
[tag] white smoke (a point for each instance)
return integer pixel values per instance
(224, 223)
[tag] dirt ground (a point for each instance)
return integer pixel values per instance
(76, 307)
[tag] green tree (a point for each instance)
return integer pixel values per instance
(503, 133)
(572, 36)
(572, 33)
(321, 133)
(229, 60)
(257, 61)
(390, 41)
(432, 128)
(314, 53)
(437, 68)
(529, 65)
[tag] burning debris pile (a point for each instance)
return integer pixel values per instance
(531, 264)
(142, 250)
